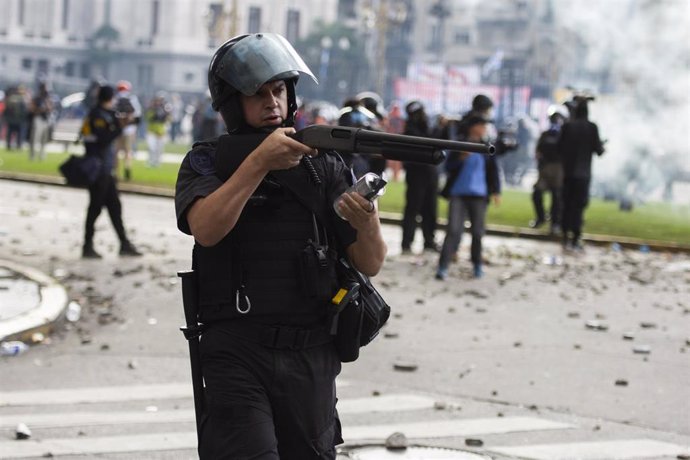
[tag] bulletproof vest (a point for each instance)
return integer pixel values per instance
(548, 146)
(268, 268)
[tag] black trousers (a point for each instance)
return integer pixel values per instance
(267, 404)
(103, 193)
(16, 130)
(575, 200)
(421, 199)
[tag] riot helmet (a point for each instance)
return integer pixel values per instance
(482, 103)
(355, 115)
(557, 113)
(413, 106)
(246, 62)
(373, 103)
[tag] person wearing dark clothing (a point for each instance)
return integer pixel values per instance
(474, 179)
(550, 167)
(40, 109)
(421, 196)
(257, 213)
(355, 115)
(579, 141)
(100, 129)
(16, 111)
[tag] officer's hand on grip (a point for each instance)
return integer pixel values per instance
(280, 151)
(360, 212)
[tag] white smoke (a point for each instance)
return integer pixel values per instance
(643, 106)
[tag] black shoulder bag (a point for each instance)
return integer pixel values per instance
(359, 311)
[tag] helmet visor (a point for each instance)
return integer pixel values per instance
(258, 59)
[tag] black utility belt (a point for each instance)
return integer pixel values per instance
(278, 337)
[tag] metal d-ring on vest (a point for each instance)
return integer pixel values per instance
(237, 303)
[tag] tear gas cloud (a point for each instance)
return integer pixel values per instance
(637, 60)
(634, 55)
(643, 105)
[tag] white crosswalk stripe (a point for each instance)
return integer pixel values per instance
(95, 395)
(52, 415)
(387, 403)
(91, 446)
(609, 450)
(447, 428)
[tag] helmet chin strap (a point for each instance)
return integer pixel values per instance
(292, 102)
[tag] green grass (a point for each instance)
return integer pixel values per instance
(18, 161)
(169, 147)
(650, 222)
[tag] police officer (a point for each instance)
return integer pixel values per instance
(421, 195)
(550, 168)
(578, 142)
(100, 128)
(265, 235)
(355, 115)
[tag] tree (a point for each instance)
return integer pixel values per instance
(336, 55)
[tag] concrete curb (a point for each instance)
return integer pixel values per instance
(41, 318)
(395, 219)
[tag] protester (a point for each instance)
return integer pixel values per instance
(41, 108)
(395, 124)
(157, 118)
(101, 127)
(127, 103)
(267, 357)
(474, 180)
(177, 112)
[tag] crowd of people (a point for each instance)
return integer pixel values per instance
(29, 116)
(562, 153)
(564, 161)
(26, 117)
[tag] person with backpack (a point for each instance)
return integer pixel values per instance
(100, 128)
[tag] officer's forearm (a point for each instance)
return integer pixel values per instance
(368, 252)
(211, 218)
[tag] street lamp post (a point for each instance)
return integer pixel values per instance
(324, 61)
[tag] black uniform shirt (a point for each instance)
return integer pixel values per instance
(197, 178)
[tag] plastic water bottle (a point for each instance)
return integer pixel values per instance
(370, 186)
(12, 348)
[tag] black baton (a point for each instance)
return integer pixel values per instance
(192, 332)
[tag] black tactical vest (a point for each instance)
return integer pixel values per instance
(269, 268)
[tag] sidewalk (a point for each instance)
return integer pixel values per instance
(32, 302)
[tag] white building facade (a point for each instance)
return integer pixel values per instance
(155, 44)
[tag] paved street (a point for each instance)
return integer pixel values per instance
(549, 356)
